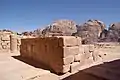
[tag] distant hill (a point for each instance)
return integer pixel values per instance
(90, 31)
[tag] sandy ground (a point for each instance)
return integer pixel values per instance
(13, 68)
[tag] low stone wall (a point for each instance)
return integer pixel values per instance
(6, 42)
(62, 54)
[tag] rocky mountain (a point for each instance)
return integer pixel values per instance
(112, 34)
(61, 27)
(90, 31)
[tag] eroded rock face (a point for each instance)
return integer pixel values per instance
(112, 34)
(90, 31)
(115, 31)
(63, 27)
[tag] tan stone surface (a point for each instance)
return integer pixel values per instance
(13, 43)
(66, 68)
(86, 48)
(69, 41)
(78, 57)
(48, 51)
(91, 48)
(71, 51)
(43, 50)
(74, 67)
(68, 59)
(6, 38)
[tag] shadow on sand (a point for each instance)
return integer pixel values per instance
(105, 71)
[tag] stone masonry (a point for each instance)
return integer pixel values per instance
(7, 43)
(61, 54)
(55, 52)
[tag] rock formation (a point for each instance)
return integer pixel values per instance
(90, 31)
(61, 27)
(112, 34)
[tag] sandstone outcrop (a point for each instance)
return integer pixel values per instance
(90, 31)
(61, 27)
(112, 34)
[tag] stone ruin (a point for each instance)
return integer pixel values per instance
(9, 42)
(63, 54)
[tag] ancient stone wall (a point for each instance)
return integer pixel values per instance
(6, 41)
(62, 54)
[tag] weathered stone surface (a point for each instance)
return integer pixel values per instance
(69, 41)
(1, 47)
(91, 48)
(6, 38)
(13, 43)
(42, 50)
(112, 34)
(78, 57)
(4, 46)
(68, 59)
(86, 48)
(95, 55)
(64, 27)
(90, 31)
(89, 61)
(71, 51)
(48, 51)
(81, 49)
(66, 68)
(74, 67)
(18, 41)
(4, 43)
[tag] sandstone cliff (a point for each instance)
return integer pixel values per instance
(90, 31)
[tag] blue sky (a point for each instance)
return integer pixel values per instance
(22, 15)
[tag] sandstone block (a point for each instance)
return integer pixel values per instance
(91, 48)
(82, 60)
(71, 51)
(52, 41)
(3, 43)
(69, 41)
(44, 50)
(87, 55)
(66, 68)
(74, 67)
(68, 60)
(86, 48)
(18, 41)
(89, 61)
(4, 46)
(13, 43)
(6, 38)
(65, 51)
(78, 57)
(81, 50)
(95, 55)
(1, 47)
